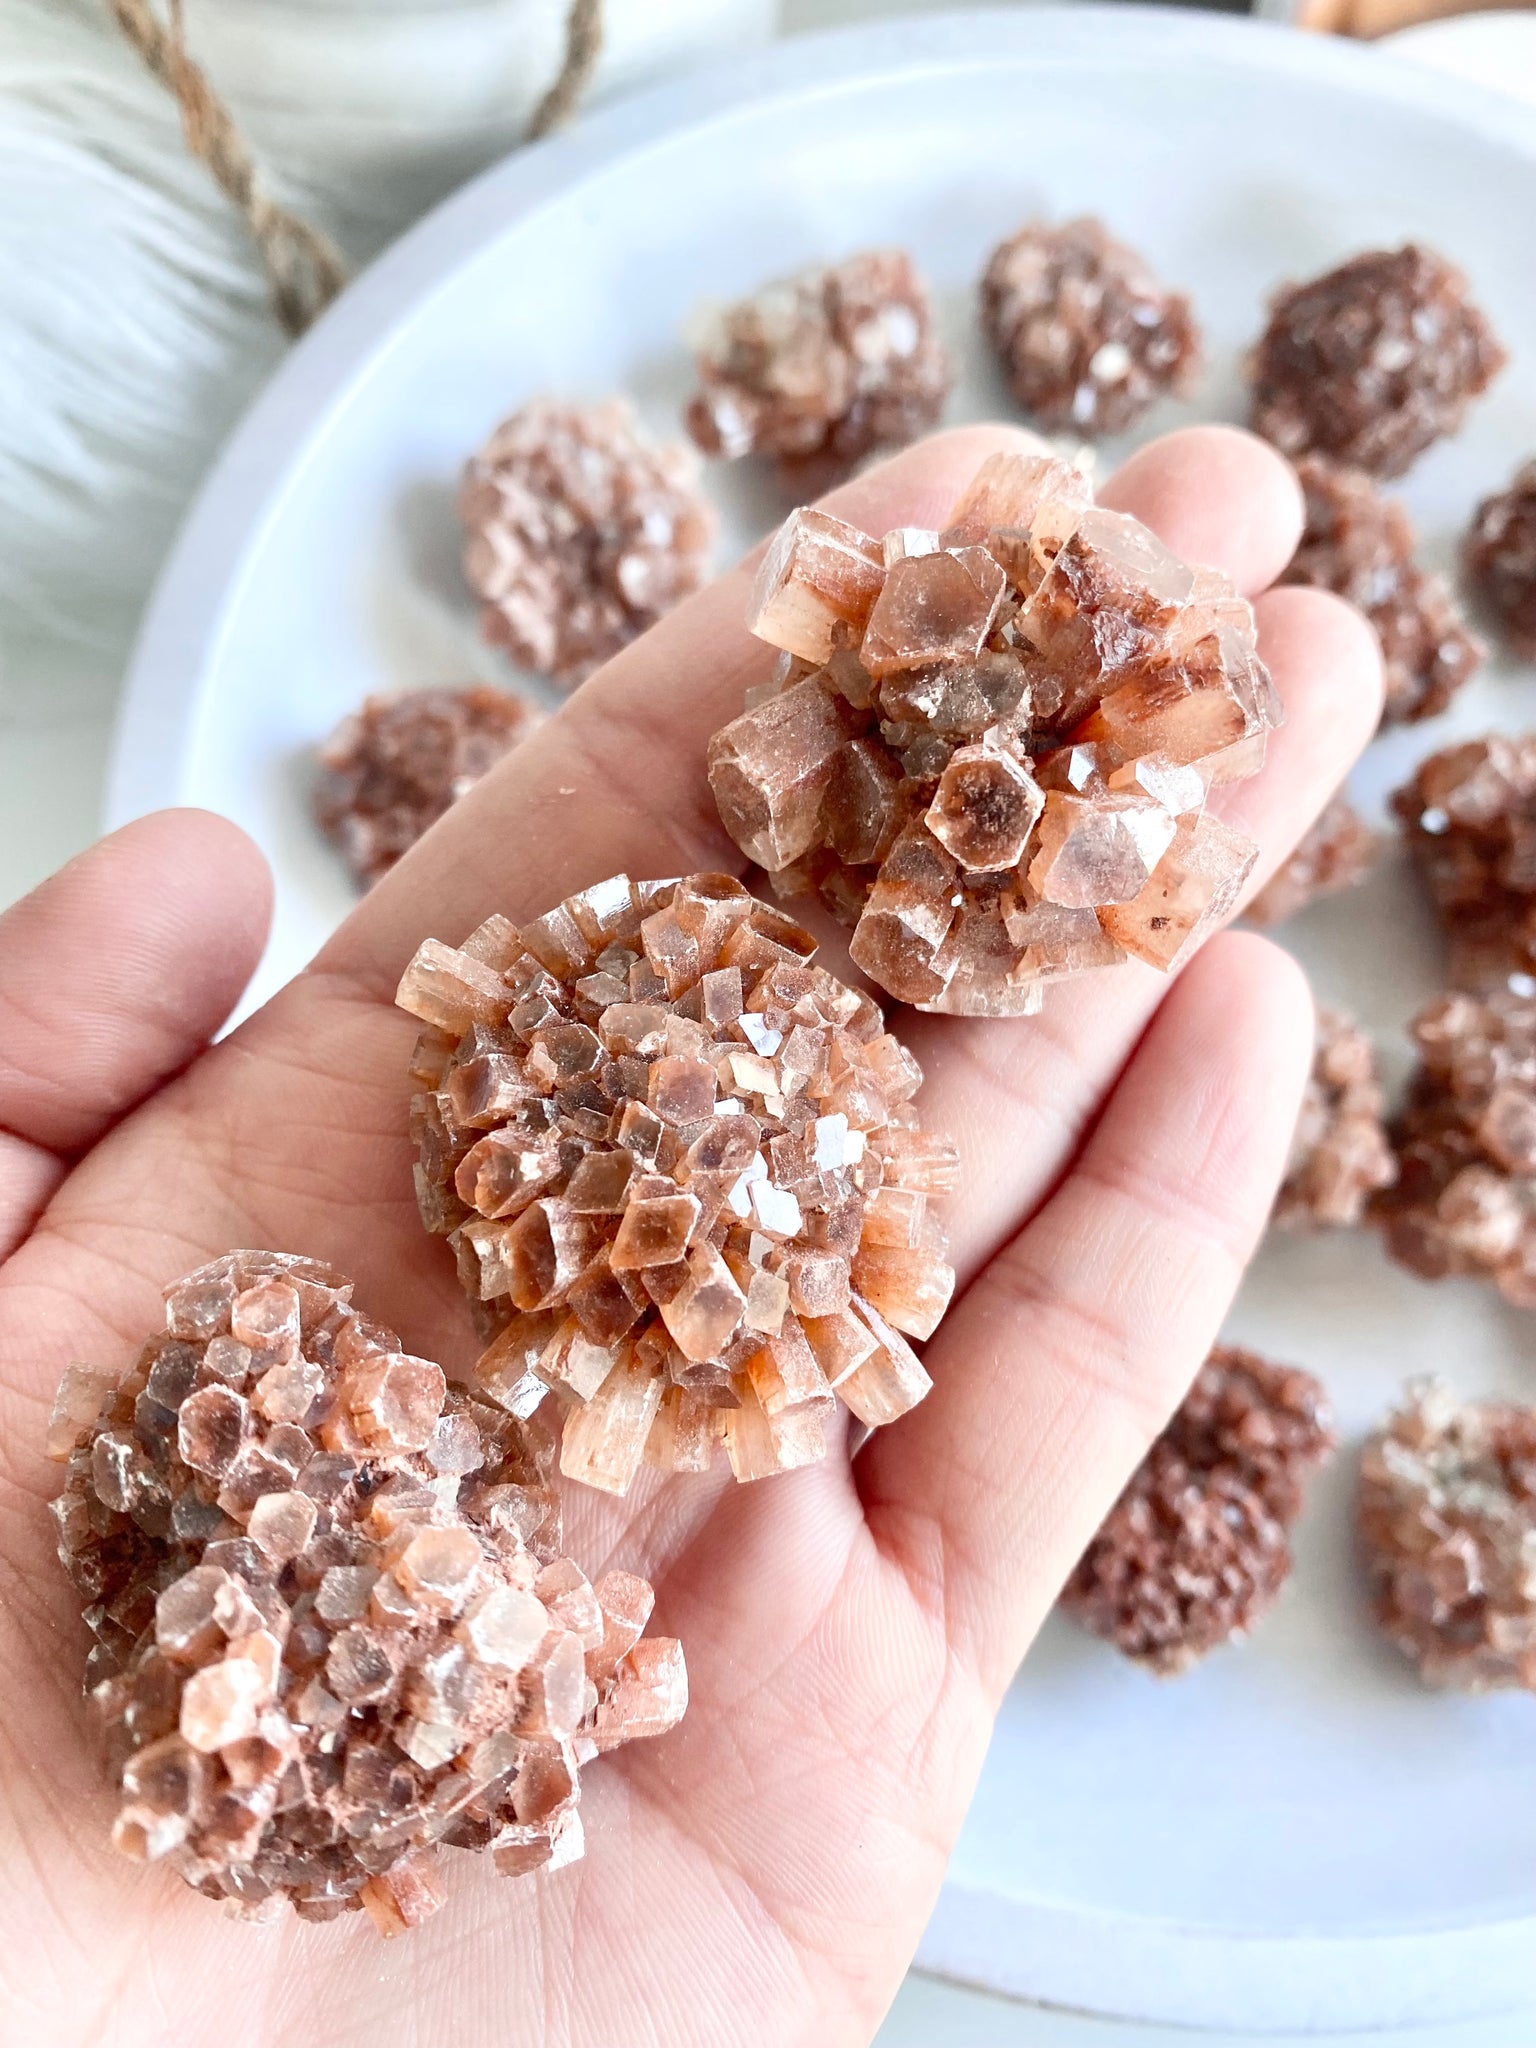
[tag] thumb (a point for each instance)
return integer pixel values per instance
(112, 975)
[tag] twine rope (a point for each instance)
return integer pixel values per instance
(305, 269)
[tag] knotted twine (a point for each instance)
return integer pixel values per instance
(305, 269)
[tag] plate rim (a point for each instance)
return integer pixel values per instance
(997, 1937)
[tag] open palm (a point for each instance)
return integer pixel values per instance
(762, 1873)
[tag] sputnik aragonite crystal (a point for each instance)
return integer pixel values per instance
(823, 367)
(580, 532)
(1447, 1519)
(1087, 334)
(989, 749)
(681, 1171)
(393, 767)
(1198, 1544)
(1465, 1138)
(334, 1632)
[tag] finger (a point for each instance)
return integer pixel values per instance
(1068, 1352)
(1018, 1096)
(616, 782)
(119, 968)
(1217, 496)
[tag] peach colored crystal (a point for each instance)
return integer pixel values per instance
(580, 532)
(823, 367)
(680, 1170)
(989, 749)
(330, 1646)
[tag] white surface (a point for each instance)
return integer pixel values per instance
(1295, 1835)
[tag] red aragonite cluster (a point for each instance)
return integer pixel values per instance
(682, 1175)
(1469, 817)
(1088, 336)
(334, 1630)
(1360, 545)
(1465, 1198)
(1501, 558)
(1198, 1545)
(580, 532)
(988, 749)
(1340, 1155)
(823, 367)
(391, 769)
(1373, 361)
(1447, 1519)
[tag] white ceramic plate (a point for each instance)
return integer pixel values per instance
(1295, 1835)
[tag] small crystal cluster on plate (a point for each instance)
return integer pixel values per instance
(989, 748)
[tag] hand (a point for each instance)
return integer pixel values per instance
(763, 1872)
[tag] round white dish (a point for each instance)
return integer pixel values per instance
(1295, 1835)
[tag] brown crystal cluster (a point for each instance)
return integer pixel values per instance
(1360, 545)
(1198, 1545)
(581, 532)
(1340, 1155)
(1373, 361)
(823, 367)
(988, 749)
(1337, 851)
(334, 1630)
(391, 769)
(681, 1171)
(1501, 559)
(1469, 817)
(1447, 1519)
(1465, 1199)
(1087, 334)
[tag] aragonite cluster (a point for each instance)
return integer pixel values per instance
(681, 1171)
(1447, 1519)
(1469, 818)
(392, 768)
(1361, 546)
(334, 1633)
(1340, 1156)
(1501, 559)
(823, 367)
(1087, 335)
(580, 531)
(1373, 361)
(989, 748)
(1198, 1545)
(1337, 851)
(1465, 1197)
